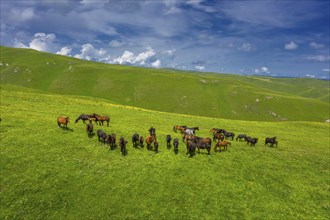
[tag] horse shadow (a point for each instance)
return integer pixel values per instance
(66, 129)
(91, 135)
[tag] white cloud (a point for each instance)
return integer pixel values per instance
(262, 70)
(156, 64)
(129, 57)
(315, 45)
(326, 70)
(200, 67)
(198, 5)
(88, 52)
(64, 51)
(310, 75)
(318, 58)
(144, 56)
(42, 41)
(291, 46)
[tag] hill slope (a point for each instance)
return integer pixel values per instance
(204, 94)
(51, 173)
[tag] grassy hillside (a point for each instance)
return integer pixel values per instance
(51, 173)
(203, 94)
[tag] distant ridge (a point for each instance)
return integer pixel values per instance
(257, 98)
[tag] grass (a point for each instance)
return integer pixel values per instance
(203, 94)
(52, 173)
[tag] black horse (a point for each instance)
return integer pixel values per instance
(135, 139)
(241, 136)
(156, 146)
(251, 141)
(168, 141)
(82, 117)
(176, 145)
(152, 131)
(271, 141)
(101, 135)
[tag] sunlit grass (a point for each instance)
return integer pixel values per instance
(47, 172)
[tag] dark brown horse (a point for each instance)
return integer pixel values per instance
(122, 144)
(203, 143)
(141, 140)
(135, 139)
(111, 140)
(176, 145)
(89, 128)
(102, 136)
(191, 148)
(218, 136)
(63, 121)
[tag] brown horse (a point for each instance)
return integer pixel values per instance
(223, 144)
(179, 127)
(188, 137)
(102, 119)
(64, 121)
(149, 140)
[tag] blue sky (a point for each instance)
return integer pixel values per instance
(276, 38)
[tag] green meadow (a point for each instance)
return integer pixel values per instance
(53, 173)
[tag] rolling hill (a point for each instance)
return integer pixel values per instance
(52, 173)
(203, 94)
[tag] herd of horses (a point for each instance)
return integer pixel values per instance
(189, 137)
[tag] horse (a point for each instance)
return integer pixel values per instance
(168, 141)
(101, 135)
(141, 140)
(64, 121)
(223, 144)
(122, 144)
(188, 137)
(218, 136)
(191, 130)
(179, 127)
(214, 131)
(89, 128)
(241, 136)
(102, 119)
(203, 143)
(156, 146)
(271, 141)
(191, 148)
(176, 145)
(135, 139)
(251, 141)
(150, 140)
(82, 117)
(152, 132)
(111, 140)
(229, 135)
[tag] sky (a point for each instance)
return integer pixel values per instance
(283, 38)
